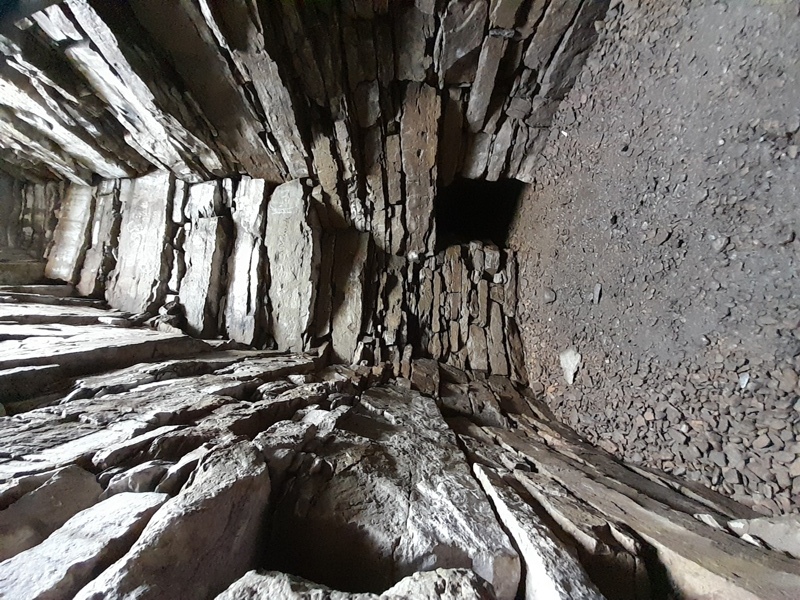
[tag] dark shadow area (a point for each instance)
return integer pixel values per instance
(468, 210)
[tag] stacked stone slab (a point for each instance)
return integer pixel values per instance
(254, 263)
(190, 469)
(298, 149)
(379, 103)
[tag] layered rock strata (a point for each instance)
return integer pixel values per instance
(378, 102)
(227, 472)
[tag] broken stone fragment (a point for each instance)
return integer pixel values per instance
(84, 546)
(458, 42)
(502, 13)
(178, 474)
(498, 361)
(570, 361)
(117, 453)
(446, 584)
(285, 434)
(477, 348)
(100, 259)
(13, 489)
(425, 376)
(274, 585)
(207, 533)
(37, 514)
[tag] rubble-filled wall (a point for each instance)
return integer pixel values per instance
(378, 102)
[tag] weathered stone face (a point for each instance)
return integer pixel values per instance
(260, 473)
(138, 282)
(267, 172)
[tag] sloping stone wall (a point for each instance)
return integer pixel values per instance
(378, 102)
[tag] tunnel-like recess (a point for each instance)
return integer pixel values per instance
(470, 209)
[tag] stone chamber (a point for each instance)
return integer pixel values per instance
(274, 292)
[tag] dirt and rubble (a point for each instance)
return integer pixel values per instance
(660, 242)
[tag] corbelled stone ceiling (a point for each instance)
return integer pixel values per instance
(258, 319)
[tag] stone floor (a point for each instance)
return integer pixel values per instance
(277, 475)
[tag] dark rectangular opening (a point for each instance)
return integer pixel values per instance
(469, 210)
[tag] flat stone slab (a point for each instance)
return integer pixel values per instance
(93, 349)
(206, 534)
(82, 547)
(31, 313)
(551, 570)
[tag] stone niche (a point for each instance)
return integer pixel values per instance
(469, 210)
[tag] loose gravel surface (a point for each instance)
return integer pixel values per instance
(660, 241)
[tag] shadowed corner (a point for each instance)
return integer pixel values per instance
(469, 210)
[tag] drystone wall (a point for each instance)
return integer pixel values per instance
(150, 463)
(378, 102)
(252, 262)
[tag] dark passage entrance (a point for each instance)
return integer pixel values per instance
(468, 210)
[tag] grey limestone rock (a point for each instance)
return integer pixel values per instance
(293, 246)
(207, 533)
(37, 514)
(87, 543)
